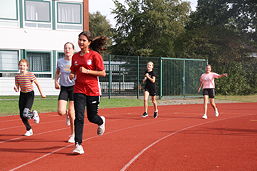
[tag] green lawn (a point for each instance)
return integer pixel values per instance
(9, 104)
(249, 98)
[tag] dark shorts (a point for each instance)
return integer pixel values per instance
(66, 93)
(209, 91)
(152, 91)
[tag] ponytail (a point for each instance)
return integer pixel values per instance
(98, 43)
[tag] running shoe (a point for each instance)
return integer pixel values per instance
(101, 128)
(29, 133)
(217, 113)
(204, 116)
(71, 139)
(36, 116)
(78, 149)
(155, 114)
(144, 115)
(67, 119)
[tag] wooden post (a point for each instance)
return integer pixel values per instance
(85, 15)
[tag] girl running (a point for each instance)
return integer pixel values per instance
(150, 89)
(208, 86)
(63, 82)
(24, 83)
(87, 65)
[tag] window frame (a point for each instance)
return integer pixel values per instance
(57, 13)
(19, 56)
(17, 11)
(38, 21)
(51, 61)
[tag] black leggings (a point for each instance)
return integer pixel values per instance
(25, 101)
(80, 102)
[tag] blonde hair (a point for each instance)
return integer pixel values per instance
(151, 63)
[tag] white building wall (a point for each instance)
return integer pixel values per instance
(7, 84)
(36, 39)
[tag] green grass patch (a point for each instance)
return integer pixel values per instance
(10, 106)
(249, 98)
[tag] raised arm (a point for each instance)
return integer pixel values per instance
(223, 75)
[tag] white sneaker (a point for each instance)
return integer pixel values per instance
(204, 116)
(217, 113)
(71, 139)
(101, 128)
(36, 116)
(29, 133)
(67, 119)
(78, 149)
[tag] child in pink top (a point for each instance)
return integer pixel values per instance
(208, 86)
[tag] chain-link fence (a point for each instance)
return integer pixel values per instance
(175, 77)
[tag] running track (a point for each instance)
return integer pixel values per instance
(177, 140)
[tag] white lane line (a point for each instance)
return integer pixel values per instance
(32, 125)
(118, 130)
(13, 139)
(18, 119)
(178, 131)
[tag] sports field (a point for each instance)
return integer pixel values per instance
(177, 140)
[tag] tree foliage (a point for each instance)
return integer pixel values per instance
(224, 32)
(149, 27)
(99, 26)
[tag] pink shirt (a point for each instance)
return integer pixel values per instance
(208, 80)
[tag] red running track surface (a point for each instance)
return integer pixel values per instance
(177, 140)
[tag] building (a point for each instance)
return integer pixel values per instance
(37, 30)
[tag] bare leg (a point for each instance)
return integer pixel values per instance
(213, 104)
(71, 113)
(154, 103)
(146, 95)
(62, 107)
(214, 107)
(205, 99)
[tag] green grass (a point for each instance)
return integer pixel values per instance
(9, 104)
(248, 98)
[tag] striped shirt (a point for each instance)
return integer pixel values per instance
(25, 82)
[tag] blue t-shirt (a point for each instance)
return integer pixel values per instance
(64, 67)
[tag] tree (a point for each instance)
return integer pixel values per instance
(99, 26)
(224, 32)
(149, 27)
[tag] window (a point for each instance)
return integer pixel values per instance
(39, 61)
(8, 9)
(9, 60)
(69, 13)
(60, 55)
(37, 11)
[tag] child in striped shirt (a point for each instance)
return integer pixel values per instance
(24, 83)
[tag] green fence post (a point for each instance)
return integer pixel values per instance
(184, 78)
(110, 78)
(160, 78)
(138, 82)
